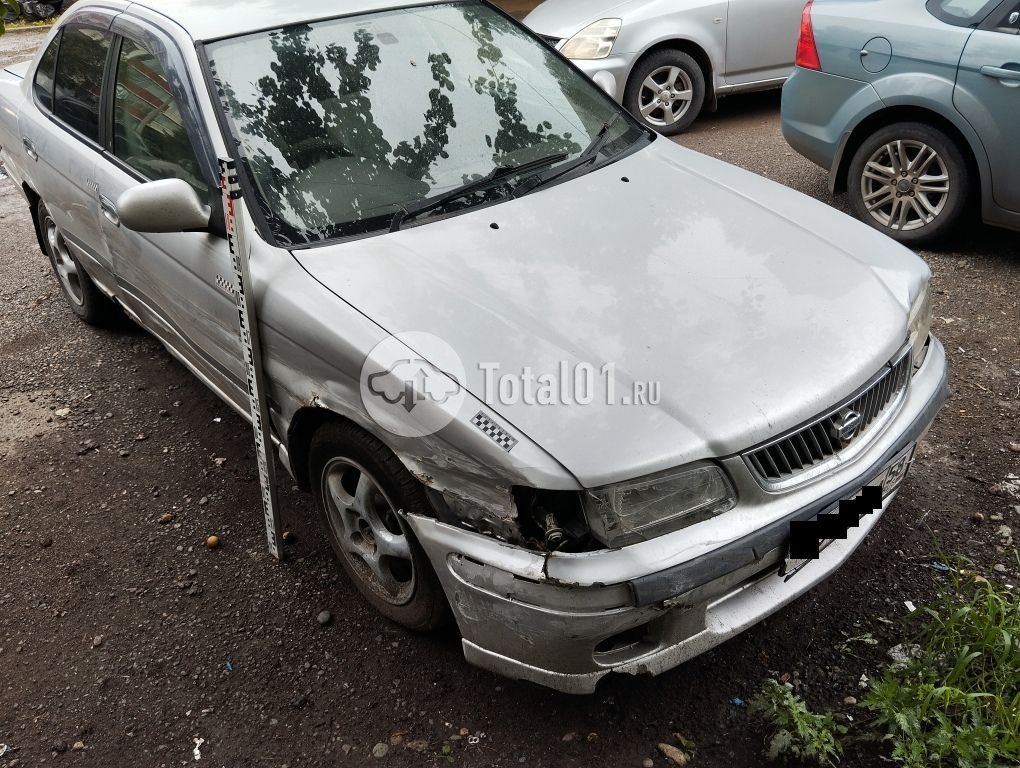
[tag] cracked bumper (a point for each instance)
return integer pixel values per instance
(565, 621)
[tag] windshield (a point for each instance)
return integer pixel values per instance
(345, 123)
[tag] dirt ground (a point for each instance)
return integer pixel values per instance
(124, 640)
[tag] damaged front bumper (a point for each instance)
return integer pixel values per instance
(567, 620)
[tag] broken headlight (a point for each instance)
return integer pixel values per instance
(636, 510)
(920, 326)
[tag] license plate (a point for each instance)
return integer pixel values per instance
(889, 480)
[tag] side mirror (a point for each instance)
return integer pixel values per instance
(169, 205)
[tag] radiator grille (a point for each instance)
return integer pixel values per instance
(786, 459)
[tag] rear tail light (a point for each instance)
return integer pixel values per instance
(807, 51)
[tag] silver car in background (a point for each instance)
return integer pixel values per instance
(667, 60)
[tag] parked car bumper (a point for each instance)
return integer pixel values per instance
(819, 113)
(612, 70)
(567, 620)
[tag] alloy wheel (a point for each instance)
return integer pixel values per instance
(365, 524)
(665, 96)
(64, 264)
(905, 185)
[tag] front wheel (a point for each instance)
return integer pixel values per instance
(911, 181)
(666, 91)
(360, 487)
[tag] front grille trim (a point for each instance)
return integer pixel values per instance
(809, 451)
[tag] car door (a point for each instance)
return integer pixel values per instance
(179, 285)
(761, 39)
(988, 95)
(61, 130)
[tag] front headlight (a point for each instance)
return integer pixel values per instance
(920, 325)
(626, 513)
(594, 41)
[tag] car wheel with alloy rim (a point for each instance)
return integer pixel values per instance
(82, 295)
(361, 489)
(666, 91)
(910, 181)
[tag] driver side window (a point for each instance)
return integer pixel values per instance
(148, 131)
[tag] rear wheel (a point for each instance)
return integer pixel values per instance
(666, 91)
(911, 181)
(360, 486)
(84, 299)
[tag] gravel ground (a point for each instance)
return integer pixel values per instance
(124, 638)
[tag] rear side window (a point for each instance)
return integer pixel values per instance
(79, 79)
(43, 85)
(962, 13)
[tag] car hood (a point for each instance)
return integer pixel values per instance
(751, 306)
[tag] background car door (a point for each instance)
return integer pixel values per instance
(761, 39)
(179, 285)
(988, 95)
(60, 129)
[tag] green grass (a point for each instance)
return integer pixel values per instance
(954, 704)
(795, 731)
(958, 702)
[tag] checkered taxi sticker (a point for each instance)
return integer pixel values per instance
(498, 435)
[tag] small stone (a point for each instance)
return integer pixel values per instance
(995, 518)
(288, 537)
(346, 749)
(1015, 447)
(324, 618)
(141, 437)
(124, 453)
(999, 568)
(203, 501)
(219, 462)
(163, 413)
(212, 542)
(380, 750)
(167, 517)
(78, 746)
(678, 757)
(396, 740)
(648, 763)
(59, 747)
(568, 737)
(46, 543)
(97, 641)
(62, 413)
(978, 517)
(850, 701)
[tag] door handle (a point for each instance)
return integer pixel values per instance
(109, 210)
(30, 149)
(1001, 73)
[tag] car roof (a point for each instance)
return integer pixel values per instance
(211, 19)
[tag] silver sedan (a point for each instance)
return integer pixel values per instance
(666, 61)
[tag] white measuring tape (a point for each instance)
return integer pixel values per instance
(251, 344)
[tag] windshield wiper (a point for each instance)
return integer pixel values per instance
(588, 156)
(496, 174)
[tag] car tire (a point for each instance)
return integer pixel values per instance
(910, 181)
(83, 297)
(359, 486)
(672, 72)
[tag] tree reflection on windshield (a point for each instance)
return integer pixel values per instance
(344, 122)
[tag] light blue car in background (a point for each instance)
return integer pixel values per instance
(914, 107)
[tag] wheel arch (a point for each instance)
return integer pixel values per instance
(305, 422)
(904, 114)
